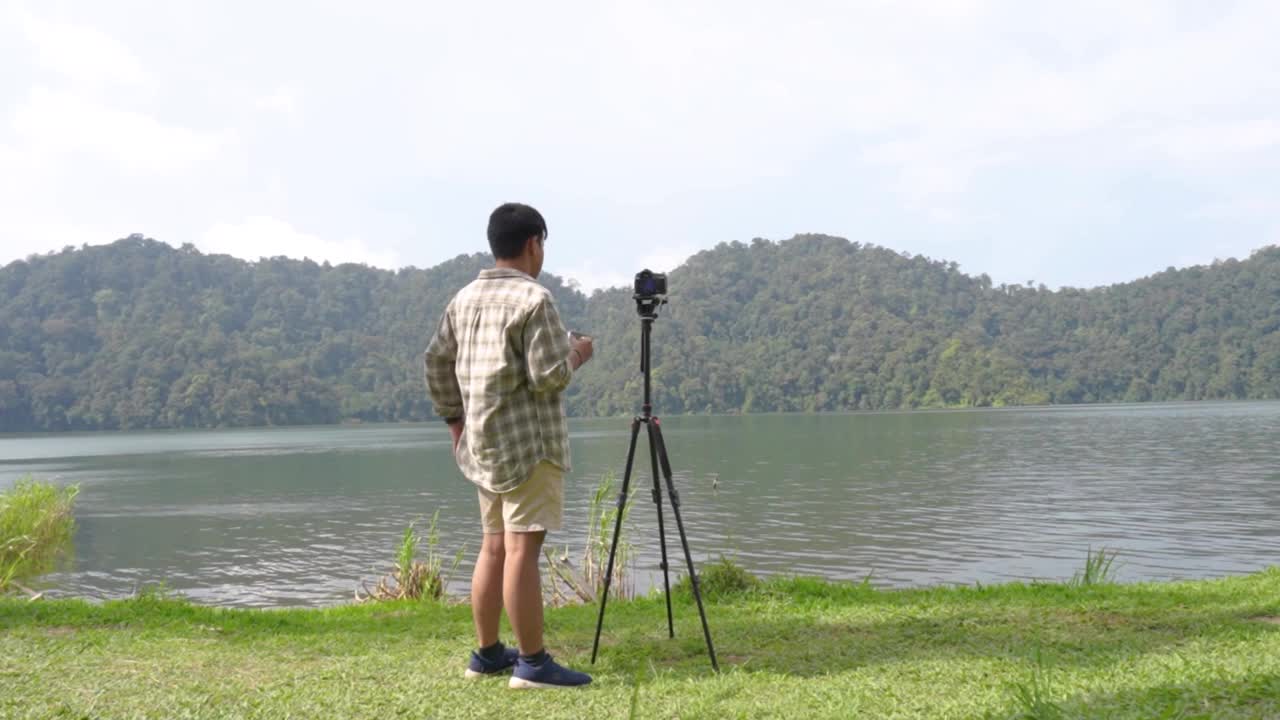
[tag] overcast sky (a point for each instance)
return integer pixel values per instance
(1077, 143)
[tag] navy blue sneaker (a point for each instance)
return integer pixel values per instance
(548, 675)
(480, 667)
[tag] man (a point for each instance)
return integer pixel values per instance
(495, 369)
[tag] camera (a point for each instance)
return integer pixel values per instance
(650, 284)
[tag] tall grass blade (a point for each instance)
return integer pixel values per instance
(37, 528)
(1099, 569)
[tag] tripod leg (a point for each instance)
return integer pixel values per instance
(662, 534)
(617, 531)
(655, 433)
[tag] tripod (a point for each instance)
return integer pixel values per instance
(647, 307)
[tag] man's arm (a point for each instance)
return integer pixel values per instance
(440, 370)
(547, 350)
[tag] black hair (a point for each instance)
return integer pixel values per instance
(510, 227)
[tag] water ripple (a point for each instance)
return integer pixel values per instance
(302, 516)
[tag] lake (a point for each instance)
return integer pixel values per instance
(300, 516)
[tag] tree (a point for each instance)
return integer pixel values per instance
(139, 335)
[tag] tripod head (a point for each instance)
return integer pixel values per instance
(647, 306)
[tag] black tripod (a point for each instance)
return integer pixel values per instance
(647, 307)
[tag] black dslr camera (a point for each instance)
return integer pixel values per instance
(651, 293)
(650, 284)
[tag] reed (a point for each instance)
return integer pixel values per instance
(1099, 568)
(37, 528)
(414, 579)
(585, 583)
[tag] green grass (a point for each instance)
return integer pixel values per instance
(36, 530)
(797, 648)
(566, 583)
(414, 579)
(1098, 568)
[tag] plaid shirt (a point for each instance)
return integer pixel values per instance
(500, 359)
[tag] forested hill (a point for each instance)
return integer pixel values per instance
(138, 334)
(819, 323)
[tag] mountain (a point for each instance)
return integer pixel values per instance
(819, 323)
(138, 334)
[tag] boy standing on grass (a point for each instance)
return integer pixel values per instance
(496, 369)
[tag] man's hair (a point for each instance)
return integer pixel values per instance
(510, 227)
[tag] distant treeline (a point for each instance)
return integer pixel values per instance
(138, 334)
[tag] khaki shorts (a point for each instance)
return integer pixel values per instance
(536, 504)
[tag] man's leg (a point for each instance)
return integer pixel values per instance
(522, 589)
(486, 588)
(534, 508)
(491, 657)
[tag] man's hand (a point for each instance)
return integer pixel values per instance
(455, 429)
(581, 351)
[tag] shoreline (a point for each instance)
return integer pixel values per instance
(432, 423)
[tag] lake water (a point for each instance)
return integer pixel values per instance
(299, 516)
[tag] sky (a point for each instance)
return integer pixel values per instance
(1070, 144)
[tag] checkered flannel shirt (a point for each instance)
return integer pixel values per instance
(500, 359)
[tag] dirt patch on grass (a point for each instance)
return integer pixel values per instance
(1269, 619)
(59, 631)
(1106, 619)
(391, 615)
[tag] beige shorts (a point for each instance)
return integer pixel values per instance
(537, 504)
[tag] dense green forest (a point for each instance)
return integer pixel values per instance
(138, 334)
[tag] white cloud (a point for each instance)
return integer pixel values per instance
(259, 237)
(942, 125)
(37, 234)
(1263, 203)
(83, 55)
(1218, 143)
(592, 276)
(665, 259)
(936, 93)
(54, 123)
(283, 101)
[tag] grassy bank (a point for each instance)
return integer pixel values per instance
(37, 525)
(793, 649)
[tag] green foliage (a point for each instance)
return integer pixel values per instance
(37, 527)
(140, 335)
(1098, 569)
(157, 594)
(720, 579)
(414, 579)
(633, 710)
(794, 649)
(586, 584)
(822, 324)
(602, 517)
(408, 549)
(1032, 697)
